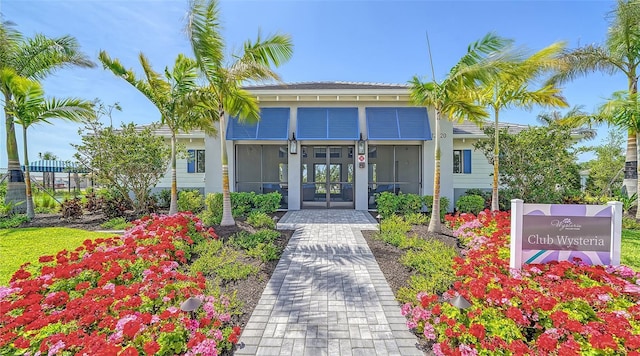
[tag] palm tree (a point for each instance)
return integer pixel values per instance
(29, 107)
(576, 119)
(511, 88)
(226, 80)
(34, 59)
(456, 98)
(619, 54)
(623, 110)
(183, 105)
(48, 176)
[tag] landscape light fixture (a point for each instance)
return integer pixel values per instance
(191, 305)
(293, 144)
(379, 217)
(459, 302)
(361, 146)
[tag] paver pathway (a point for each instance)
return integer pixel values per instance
(327, 295)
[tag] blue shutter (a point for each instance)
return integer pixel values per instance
(402, 123)
(413, 124)
(466, 159)
(240, 131)
(274, 124)
(191, 161)
(342, 124)
(312, 124)
(382, 124)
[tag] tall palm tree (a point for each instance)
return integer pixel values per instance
(576, 119)
(456, 97)
(29, 107)
(623, 110)
(182, 103)
(619, 54)
(32, 58)
(511, 88)
(226, 79)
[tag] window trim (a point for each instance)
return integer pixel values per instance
(192, 161)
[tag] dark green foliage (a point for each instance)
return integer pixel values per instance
(470, 204)
(246, 241)
(163, 198)
(409, 203)
(444, 205)
(71, 208)
(537, 165)
(485, 194)
(11, 221)
(242, 204)
(387, 204)
(190, 200)
(260, 220)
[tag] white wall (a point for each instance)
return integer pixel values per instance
(185, 180)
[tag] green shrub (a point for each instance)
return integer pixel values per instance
(470, 204)
(267, 203)
(242, 204)
(221, 262)
(394, 223)
(444, 205)
(115, 224)
(387, 204)
(434, 272)
(190, 200)
(409, 204)
(114, 204)
(630, 223)
(260, 220)
(163, 198)
(9, 222)
(265, 251)
(416, 219)
(248, 241)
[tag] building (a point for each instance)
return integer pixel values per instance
(335, 145)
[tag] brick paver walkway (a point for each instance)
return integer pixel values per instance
(327, 295)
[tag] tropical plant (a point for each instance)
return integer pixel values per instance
(183, 105)
(31, 58)
(49, 178)
(511, 87)
(606, 168)
(455, 97)
(29, 107)
(619, 54)
(128, 160)
(623, 110)
(254, 62)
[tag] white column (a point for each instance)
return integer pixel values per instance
(361, 179)
(616, 231)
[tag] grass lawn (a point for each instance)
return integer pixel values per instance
(630, 254)
(18, 246)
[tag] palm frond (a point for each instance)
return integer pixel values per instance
(272, 51)
(204, 32)
(584, 60)
(243, 105)
(41, 55)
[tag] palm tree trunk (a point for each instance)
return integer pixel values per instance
(631, 158)
(637, 181)
(16, 191)
(173, 205)
(495, 205)
(227, 215)
(30, 209)
(434, 222)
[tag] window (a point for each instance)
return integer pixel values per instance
(462, 161)
(195, 162)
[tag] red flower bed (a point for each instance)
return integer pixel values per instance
(119, 295)
(559, 308)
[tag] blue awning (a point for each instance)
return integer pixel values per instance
(398, 124)
(327, 124)
(56, 167)
(273, 125)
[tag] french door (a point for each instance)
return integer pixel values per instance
(327, 176)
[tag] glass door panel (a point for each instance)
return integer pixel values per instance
(330, 184)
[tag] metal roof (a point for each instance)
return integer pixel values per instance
(56, 167)
(327, 86)
(470, 128)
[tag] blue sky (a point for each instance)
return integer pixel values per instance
(358, 40)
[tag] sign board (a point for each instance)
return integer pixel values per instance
(360, 158)
(542, 233)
